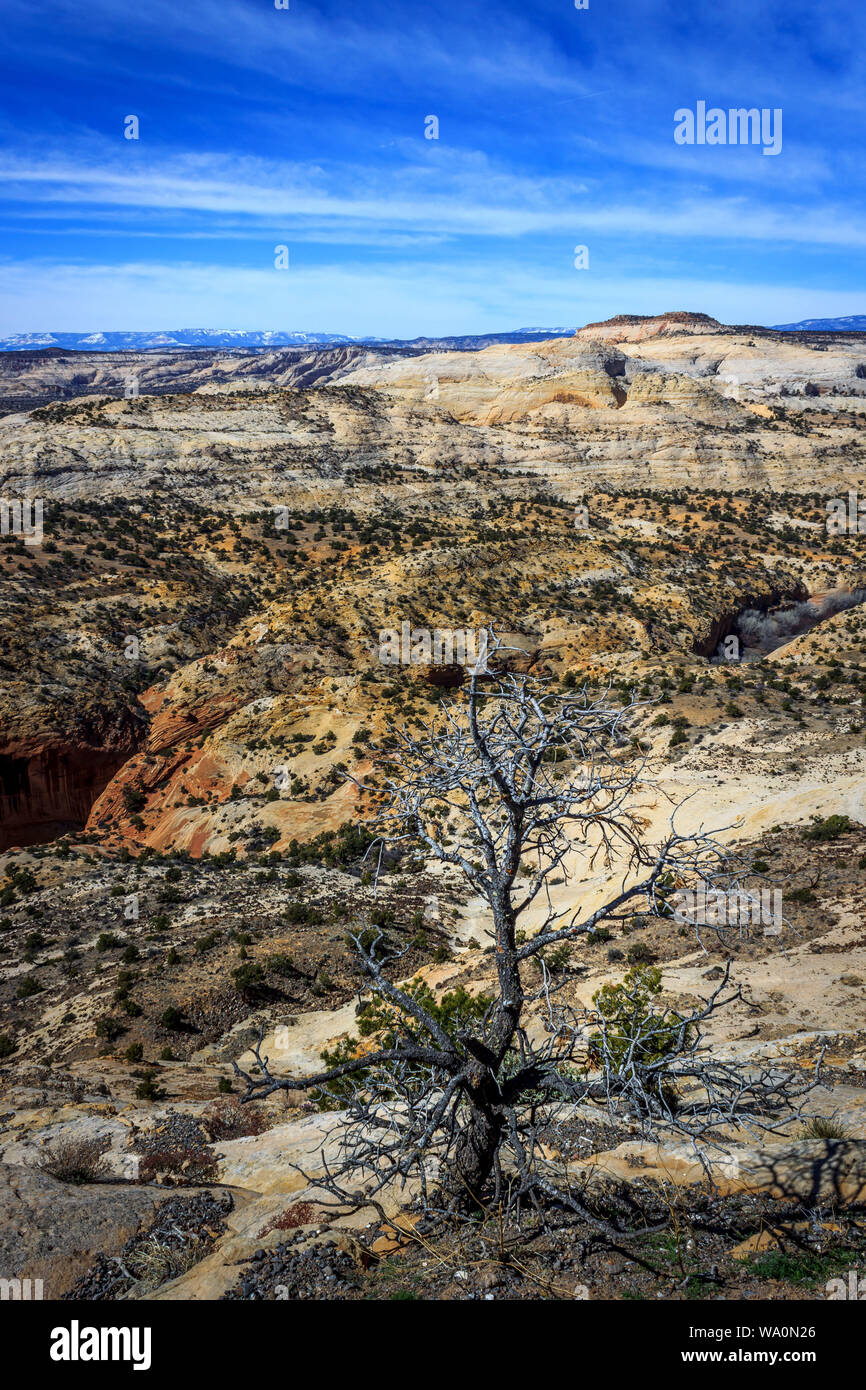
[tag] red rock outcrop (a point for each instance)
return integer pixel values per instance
(49, 789)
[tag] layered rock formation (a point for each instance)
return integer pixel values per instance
(191, 682)
(728, 407)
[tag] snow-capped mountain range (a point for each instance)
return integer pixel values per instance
(187, 338)
(173, 338)
(856, 323)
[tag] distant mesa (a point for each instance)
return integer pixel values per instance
(624, 328)
(677, 316)
(635, 327)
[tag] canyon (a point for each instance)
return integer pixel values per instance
(191, 687)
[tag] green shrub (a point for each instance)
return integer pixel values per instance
(371, 940)
(380, 1019)
(381, 916)
(599, 934)
(801, 895)
(279, 965)
(636, 1033)
(27, 987)
(247, 977)
(303, 914)
(147, 1089)
(109, 1028)
(556, 959)
(640, 954)
(828, 829)
(333, 848)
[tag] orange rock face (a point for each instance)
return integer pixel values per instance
(48, 790)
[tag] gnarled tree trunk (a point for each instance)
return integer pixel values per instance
(476, 1146)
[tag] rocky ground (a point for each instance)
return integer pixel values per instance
(190, 681)
(716, 1247)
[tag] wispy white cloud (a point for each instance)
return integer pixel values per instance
(363, 49)
(469, 196)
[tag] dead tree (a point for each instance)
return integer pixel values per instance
(514, 784)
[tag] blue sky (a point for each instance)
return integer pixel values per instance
(305, 127)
